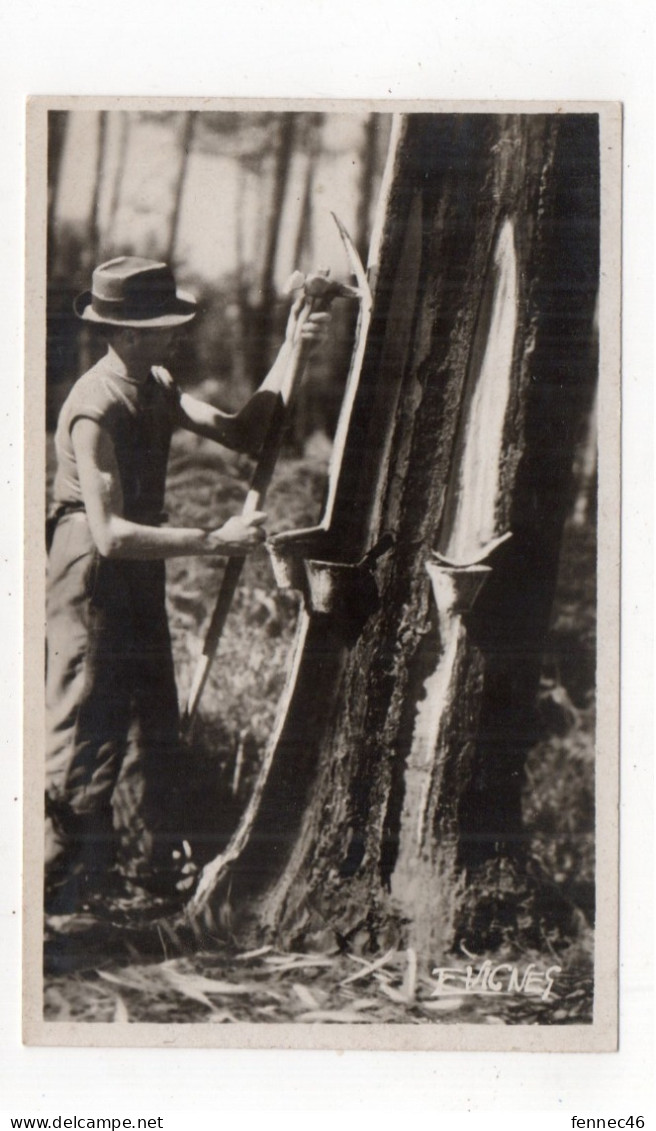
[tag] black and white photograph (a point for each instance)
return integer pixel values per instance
(323, 665)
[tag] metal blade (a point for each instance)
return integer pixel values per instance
(355, 262)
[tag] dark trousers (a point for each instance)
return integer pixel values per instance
(109, 674)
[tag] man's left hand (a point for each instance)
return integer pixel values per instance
(313, 328)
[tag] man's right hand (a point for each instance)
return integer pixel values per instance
(239, 535)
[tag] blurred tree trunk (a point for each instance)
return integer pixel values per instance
(93, 252)
(388, 809)
(307, 411)
(312, 149)
(119, 176)
(261, 320)
(585, 473)
(186, 142)
(94, 233)
(57, 124)
(58, 313)
(369, 159)
(242, 311)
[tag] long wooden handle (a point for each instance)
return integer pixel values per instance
(254, 501)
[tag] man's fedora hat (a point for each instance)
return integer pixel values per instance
(131, 291)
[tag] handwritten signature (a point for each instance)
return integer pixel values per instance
(487, 979)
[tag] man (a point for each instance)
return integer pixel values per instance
(109, 663)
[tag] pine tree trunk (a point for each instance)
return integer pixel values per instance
(119, 175)
(395, 772)
(312, 148)
(58, 298)
(367, 180)
(94, 237)
(261, 318)
(57, 125)
(93, 253)
(307, 413)
(186, 142)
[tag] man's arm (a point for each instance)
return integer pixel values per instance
(117, 537)
(246, 430)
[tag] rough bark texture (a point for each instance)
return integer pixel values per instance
(397, 765)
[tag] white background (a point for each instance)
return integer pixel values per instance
(566, 49)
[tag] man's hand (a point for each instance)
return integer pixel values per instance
(315, 328)
(312, 328)
(239, 535)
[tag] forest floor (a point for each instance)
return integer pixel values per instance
(177, 982)
(267, 986)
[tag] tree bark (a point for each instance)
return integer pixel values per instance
(395, 771)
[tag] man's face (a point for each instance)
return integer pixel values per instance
(157, 345)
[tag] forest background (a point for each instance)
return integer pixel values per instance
(235, 202)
